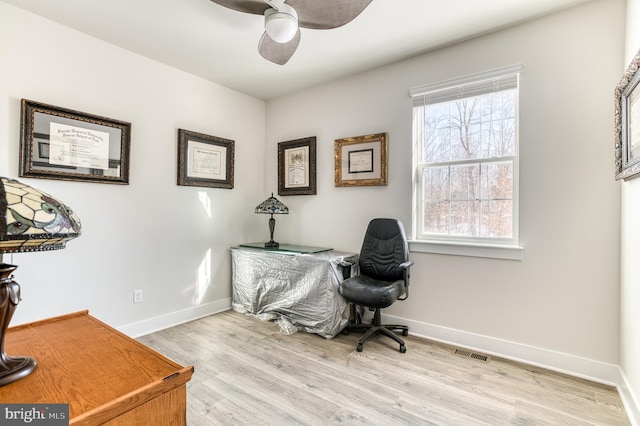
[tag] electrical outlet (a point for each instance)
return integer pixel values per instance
(137, 296)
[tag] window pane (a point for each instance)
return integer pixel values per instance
(437, 116)
(466, 142)
(497, 181)
(465, 218)
(502, 141)
(465, 129)
(497, 219)
(436, 183)
(465, 111)
(486, 148)
(436, 217)
(499, 105)
(437, 145)
(464, 182)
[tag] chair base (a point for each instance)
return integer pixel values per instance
(375, 328)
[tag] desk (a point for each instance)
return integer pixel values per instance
(104, 376)
(299, 291)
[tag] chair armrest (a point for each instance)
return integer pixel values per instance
(346, 268)
(406, 265)
(405, 269)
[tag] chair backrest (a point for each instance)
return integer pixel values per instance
(383, 249)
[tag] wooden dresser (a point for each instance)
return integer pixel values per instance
(104, 376)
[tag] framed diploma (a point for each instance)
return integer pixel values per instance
(204, 160)
(297, 167)
(60, 143)
(361, 160)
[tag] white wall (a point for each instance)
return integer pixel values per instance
(630, 250)
(152, 234)
(563, 298)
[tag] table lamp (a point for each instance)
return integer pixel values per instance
(30, 220)
(272, 206)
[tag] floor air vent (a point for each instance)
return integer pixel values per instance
(472, 355)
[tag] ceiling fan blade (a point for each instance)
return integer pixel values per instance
(326, 14)
(257, 7)
(278, 53)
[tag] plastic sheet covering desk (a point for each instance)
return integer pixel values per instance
(297, 290)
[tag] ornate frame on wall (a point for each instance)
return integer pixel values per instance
(361, 160)
(627, 123)
(61, 143)
(205, 160)
(297, 167)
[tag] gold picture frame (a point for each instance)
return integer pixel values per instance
(361, 160)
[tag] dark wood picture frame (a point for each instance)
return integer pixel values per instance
(627, 123)
(361, 160)
(205, 160)
(61, 143)
(297, 167)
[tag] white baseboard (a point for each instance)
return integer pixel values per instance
(600, 372)
(171, 319)
(631, 404)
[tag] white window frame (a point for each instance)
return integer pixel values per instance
(444, 91)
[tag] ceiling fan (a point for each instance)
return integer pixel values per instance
(283, 20)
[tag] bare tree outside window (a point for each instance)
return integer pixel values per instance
(467, 153)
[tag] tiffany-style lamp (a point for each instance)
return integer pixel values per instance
(30, 220)
(272, 206)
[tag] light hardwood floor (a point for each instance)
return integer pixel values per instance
(248, 373)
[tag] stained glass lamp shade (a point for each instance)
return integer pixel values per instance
(272, 206)
(30, 220)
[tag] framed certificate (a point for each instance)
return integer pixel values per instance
(361, 160)
(204, 160)
(297, 167)
(60, 143)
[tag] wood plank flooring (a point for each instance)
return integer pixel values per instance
(248, 373)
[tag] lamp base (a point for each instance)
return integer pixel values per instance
(11, 368)
(15, 368)
(272, 227)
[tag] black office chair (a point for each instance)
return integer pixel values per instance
(383, 278)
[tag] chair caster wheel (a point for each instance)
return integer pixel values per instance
(403, 349)
(405, 333)
(359, 347)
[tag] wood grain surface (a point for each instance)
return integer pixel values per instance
(100, 372)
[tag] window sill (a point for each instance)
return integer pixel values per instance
(467, 249)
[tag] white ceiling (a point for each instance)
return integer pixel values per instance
(218, 44)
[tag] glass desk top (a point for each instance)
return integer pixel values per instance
(284, 247)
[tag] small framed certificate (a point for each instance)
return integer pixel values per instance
(297, 167)
(204, 160)
(361, 160)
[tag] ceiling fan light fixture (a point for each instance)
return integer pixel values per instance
(282, 24)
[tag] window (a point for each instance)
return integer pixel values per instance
(465, 135)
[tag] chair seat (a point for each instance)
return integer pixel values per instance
(366, 291)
